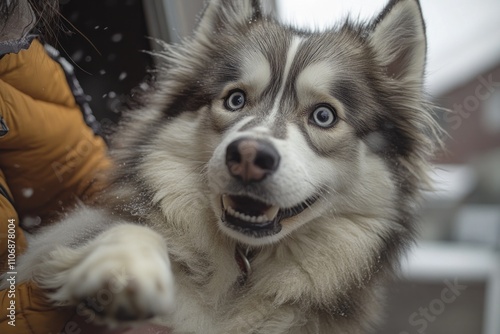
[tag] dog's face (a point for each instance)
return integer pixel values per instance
(285, 142)
(290, 126)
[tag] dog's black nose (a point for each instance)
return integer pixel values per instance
(251, 160)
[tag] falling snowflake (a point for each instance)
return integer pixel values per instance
(116, 37)
(122, 76)
(30, 222)
(27, 192)
(77, 56)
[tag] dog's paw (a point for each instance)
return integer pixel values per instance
(121, 277)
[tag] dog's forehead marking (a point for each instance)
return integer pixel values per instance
(256, 71)
(315, 77)
(292, 52)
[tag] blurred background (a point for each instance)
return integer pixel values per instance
(451, 280)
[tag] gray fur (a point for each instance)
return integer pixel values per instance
(323, 271)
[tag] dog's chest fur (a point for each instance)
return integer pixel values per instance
(215, 290)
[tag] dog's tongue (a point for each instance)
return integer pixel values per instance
(250, 206)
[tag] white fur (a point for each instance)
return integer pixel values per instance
(256, 72)
(126, 269)
(316, 78)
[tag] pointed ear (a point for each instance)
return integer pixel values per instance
(222, 15)
(399, 41)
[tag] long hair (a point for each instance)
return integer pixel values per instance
(46, 12)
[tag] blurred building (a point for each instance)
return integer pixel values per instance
(473, 120)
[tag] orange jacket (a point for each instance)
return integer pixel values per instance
(48, 158)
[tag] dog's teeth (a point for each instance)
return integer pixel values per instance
(226, 202)
(272, 212)
(228, 206)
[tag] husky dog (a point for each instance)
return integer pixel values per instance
(268, 184)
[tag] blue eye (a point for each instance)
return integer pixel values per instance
(323, 116)
(235, 101)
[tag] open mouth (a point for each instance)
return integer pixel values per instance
(256, 218)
